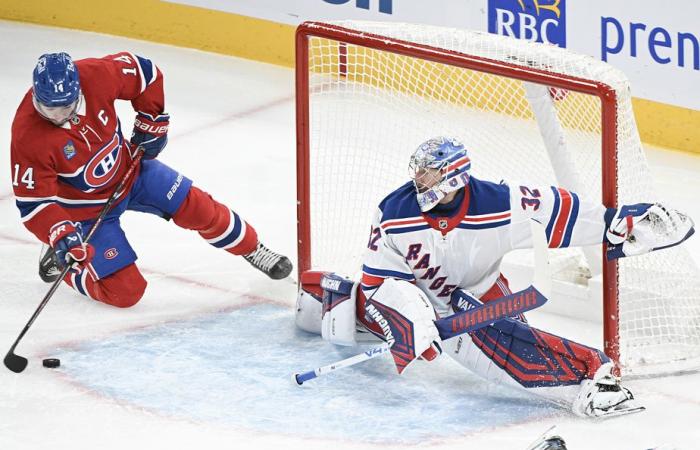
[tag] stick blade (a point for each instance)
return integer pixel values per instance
(15, 363)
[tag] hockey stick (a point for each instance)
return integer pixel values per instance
(17, 363)
(473, 319)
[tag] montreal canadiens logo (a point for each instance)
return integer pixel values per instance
(102, 167)
(111, 253)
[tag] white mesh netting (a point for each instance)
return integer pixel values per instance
(369, 109)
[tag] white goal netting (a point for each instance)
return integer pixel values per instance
(371, 104)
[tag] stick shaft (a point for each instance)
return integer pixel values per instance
(347, 362)
(100, 217)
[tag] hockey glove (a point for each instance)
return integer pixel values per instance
(66, 238)
(644, 227)
(150, 133)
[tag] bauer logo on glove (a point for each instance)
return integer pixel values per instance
(66, 239)
(150, 133)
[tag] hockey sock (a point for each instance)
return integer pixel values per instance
(122, 289)
(216, 223)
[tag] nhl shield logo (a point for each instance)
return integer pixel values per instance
(442, 223)
(69, 150)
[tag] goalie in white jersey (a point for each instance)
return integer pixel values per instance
(443, 236)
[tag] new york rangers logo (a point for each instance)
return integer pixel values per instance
(102, 167)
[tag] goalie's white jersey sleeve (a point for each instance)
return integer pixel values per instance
(464, 250)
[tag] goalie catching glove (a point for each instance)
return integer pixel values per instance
(644, 227)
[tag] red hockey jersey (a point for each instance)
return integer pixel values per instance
(68, 172)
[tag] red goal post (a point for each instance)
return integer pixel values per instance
(340, 59)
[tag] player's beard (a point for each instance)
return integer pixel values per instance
(57, 115)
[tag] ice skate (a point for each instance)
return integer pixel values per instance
(273, 264)
(603, 396)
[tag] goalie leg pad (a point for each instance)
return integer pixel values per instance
(309, 302)
(514, 353)
(405, 317)
(338, 317)
(326, 306)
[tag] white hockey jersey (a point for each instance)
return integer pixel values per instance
(441, 254)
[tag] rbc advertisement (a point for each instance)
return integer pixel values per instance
(656, 45)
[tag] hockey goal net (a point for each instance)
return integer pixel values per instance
(368, 93)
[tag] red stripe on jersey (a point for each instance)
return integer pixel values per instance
(371, 280)
(491, 217)
(393, 223)
(562, 220)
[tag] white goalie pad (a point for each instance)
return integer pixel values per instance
(639, 229)
(308, 312)
(339, 313)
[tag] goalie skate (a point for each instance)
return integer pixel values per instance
(48, 265)
(273, 264)
(604, 397)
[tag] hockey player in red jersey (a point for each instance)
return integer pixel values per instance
(435, 249)
(68, 154)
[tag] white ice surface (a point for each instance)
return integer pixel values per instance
(202, 361)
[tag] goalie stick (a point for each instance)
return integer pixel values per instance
(473, 319)
(17, 363)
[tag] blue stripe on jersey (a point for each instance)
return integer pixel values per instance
(406, 229)
(233, 235)
(572, 220)
(481, 226)
(79, 205)
(388, 273)
(555, 214)
(26, 208)
(147, 69)
(79, 282)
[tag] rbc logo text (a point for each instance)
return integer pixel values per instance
(532, 20)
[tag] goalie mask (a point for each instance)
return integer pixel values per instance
(438, 167)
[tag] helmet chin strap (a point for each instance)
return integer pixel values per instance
(429, 199)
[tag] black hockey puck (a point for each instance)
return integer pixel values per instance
(52, 363)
